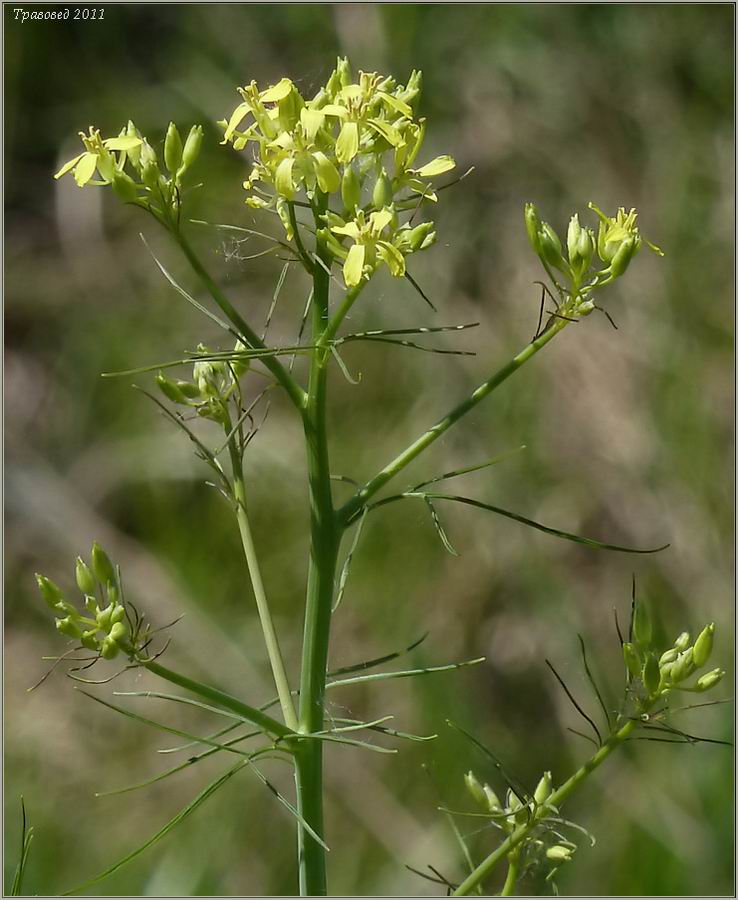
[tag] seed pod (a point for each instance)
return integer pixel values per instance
(703, 646)
(350, 189)
(642, 627)
(50, 592)
(632, 660)
(543, 789)
(651, 673)
(382, 193)
(85, 579)
(101, 565)
(682, 642)
(173, 149)
(475, 788)
(109, 649)
(191, 148)
(709, 679)
(493, 801)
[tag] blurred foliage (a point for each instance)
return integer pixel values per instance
(628, 433)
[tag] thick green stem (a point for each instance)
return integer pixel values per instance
(513, 868)
(293, 389)
(324, 541)
(250, 713)
(514, 840)
(356, 503)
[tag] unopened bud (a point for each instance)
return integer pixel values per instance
(150, 173)
(551, 248)
(558, 853)
(632, 660)
(350, 189)
(170, 389)
(118, 614)
(118, 631)
(192, 147)
(421, 237)
(682, 642)
(533, 226)
(683, 667)
(709, 679)
(103, 618)
(173, 149)
(69, 627)
(623, 255)
(134, 153)
(124, 187)
(642, 627)
(85, 579)
(382, 193)
(50, 591)
(475, 788)
(109, 649)
(493, 801)
(651, 673)
(89, 639)
(668, 656)
(543, 789)
(703, 646)
(101, 565)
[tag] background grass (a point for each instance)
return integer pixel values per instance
(629, 437)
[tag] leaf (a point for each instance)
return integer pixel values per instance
(346, 568)
(407, 673)
(578, 708)
(467, 469)
(439, 528)
(176, 699)
(289, 807)
(378, 661)
(163, 832)
(16, 889)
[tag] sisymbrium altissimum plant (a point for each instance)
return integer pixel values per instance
(346, 174)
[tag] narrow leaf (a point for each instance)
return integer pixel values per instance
(408, 673)
(346, 568)
(440, 530)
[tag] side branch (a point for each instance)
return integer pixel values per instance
(358, 501)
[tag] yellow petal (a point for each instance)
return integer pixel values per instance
(347, 144)
(390, 134)
(329, 180)
(353, 268)
(238, 115)
(436, 166)
(396, 104)
(283, 178)
(85, 168)
(311, 121)
(277, 91)
(123, 143)
(68, 166)
(333, 109)
(380, 220)
(392, 256)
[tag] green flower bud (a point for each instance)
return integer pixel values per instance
(118, 614)
(109, 649)
(642, 627)
(493, 801)
(191, 148)
(558, 853)
(703, 646)
(632, 660)
(103, 617)
(50, 592)
(543, 789)
(651, 673)
(89, 639)
(682, 642)
(91, 603)
(625, 252)
(533, 226)
(475, 788)
(240, 367)
(85, 579)
(150, 174)
(551, 248)
(69, 627)
(119, 632)
(350, 189)
(382, 194)
(668, 656)
(421, 237)
(173, 149)
(709, 679)
(124, 187)
(683, 667)
(134, 154)
(101, 565)
(170, 389)
(190, 390)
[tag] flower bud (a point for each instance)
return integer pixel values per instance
(623, 255)
(382, 194)
(558, 853)
(170, 389)
(651, 673)
(134, 153)
(103, 617)
(109, 649)
(118, 614)
(101, 565)
(190, 390)
(709, 679)
(668, 656)
(475, 788)
(533, 226)
(89, 639)
(543, 789)
(682, 642)
(421, 237)
(173, 149)
(551, 248)
(703, 646)
(642, 627)
(69, 627)
(50, 592)
(683, 667)
(192, 147)
(118, 632)
(350, 189)
(632, 660)
(493, 801)
(150, 174)
(124, 187)
(85, 579)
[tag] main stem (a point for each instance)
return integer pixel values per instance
(324, 542)
(555, 799)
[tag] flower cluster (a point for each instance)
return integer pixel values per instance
(104, 626)
(518, 811)
(617, 242)
(104, 162)
(213, 382)
(660, 673)
(355, 140)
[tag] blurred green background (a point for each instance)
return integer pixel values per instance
(629, 438)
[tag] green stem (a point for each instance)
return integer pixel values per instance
(294, 391)
(250, 713)
(513, 869)
(265, 616)
(357, 502)
(324, 542)
(513, 841)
